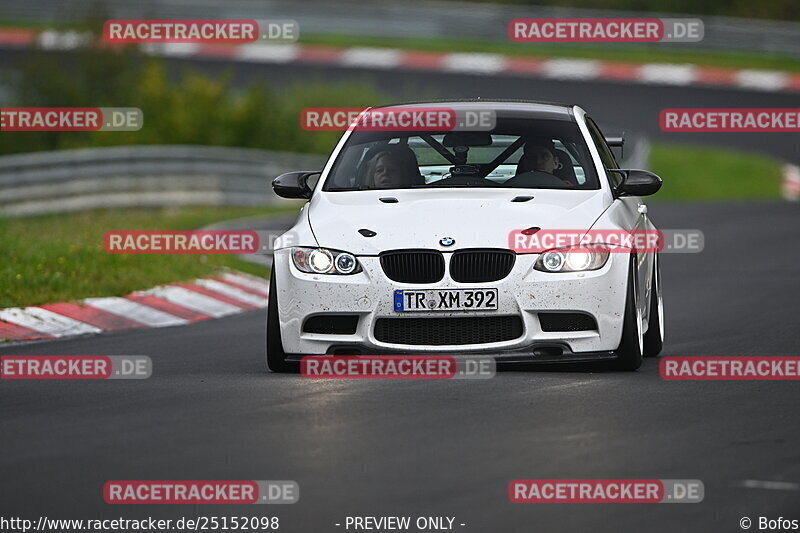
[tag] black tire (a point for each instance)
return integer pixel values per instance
(629, 353)
(654, 338)
(276, 357)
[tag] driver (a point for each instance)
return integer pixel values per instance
(538, 158)
(394, 168)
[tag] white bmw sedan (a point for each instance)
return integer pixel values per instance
(416, 242)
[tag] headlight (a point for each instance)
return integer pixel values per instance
(345, 263)
(576, 259)
(324, 261)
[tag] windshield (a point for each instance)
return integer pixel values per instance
(524, 154)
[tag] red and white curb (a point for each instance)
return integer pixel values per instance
(465, 63)
(229, 293)
(791, 183)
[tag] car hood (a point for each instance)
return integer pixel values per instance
(474, 218)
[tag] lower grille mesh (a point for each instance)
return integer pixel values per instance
(448, 331)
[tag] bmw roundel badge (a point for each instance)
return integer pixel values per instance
(447, 241)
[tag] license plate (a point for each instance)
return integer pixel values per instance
(446, 300)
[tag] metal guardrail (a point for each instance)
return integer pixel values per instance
(161, 176)
(406, 19)
(139, 176)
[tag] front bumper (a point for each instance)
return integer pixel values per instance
(525, 293)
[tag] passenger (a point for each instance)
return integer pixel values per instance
(394, 168)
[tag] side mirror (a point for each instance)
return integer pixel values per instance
(293, 185)
(637, 183)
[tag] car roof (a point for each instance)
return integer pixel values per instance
(503, 108)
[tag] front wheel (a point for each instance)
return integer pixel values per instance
(654, 338)
(629, 353)
(276, 357)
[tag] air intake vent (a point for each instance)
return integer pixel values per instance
(413, 266)
(479, 266)
(567, 322)
(435, 331)
(331, 324)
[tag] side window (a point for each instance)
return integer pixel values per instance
(605, 152)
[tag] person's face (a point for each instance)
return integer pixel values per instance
(388, 173)
(545, 161)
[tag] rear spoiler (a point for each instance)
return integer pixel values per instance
(616, 142)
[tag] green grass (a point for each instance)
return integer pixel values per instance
(702, 173)
(57, 258)
(608, 52)
(31, 24)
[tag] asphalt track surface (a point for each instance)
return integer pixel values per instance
(441, 448)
